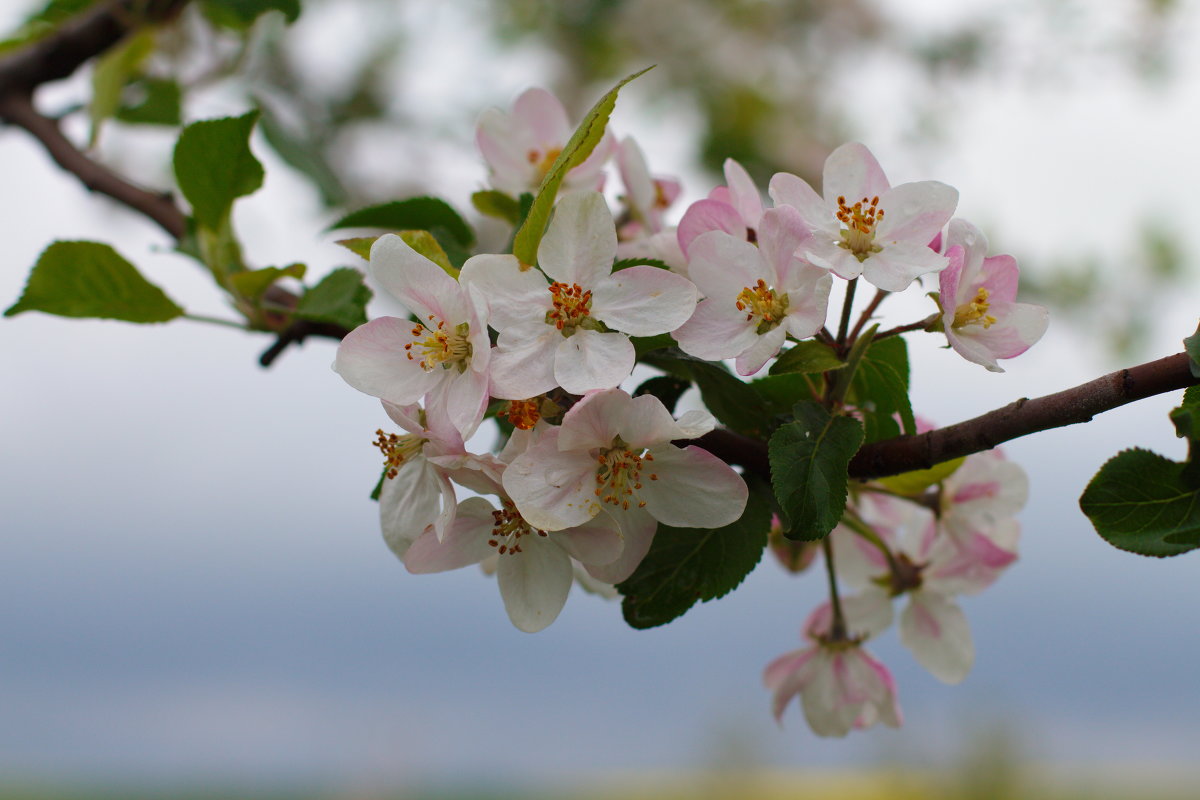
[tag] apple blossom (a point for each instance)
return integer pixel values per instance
(866, 226)
(754, 297)
(613, 455)
(840, 685)
(574, 332)
(735, 208)
(642, 232)
(521, 146)
(444, 355)
(982, 319)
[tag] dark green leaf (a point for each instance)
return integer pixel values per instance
(581, 144)
(154, 102)
(808, 357)
(241, 14)
(415, 213)
(639, 261)
(1187, 416)
(252, 283)
(731, 400)
(497, 204)
(89, 279)
(880, 389)
(809, 462)
(780, 393)
(648, 344)
(1139, 502)
(214, 166)
(1192, 345)
(686, 565)
(340, 299)
(666, 388)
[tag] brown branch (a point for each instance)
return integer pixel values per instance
(1020, 418)
(77, 40)
(17, 109)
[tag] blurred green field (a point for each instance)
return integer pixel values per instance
(981, 782)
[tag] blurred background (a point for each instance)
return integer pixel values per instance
(194, 596)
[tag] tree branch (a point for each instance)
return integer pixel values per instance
(1020, 418)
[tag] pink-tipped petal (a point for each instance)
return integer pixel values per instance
(935, 629)
(851, 171)
(373, 360)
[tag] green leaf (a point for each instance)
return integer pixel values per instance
(581, 144)
(339, 299)
(1139, 502)
(44, 21)
(252, 283)
(158, 102)
(89, 279)
(113, 71)
(809, 462)
(686, 565)
(915, 482)
(359, 245)
(416, 213)
(494, 203)
(732, 401)
(1192, 346)
(648, 344)
(780, 393)
(214, 166)
(880, 389)
(639, 261)
(807, 357)
(667, 388)
(1187, 416)
(241, 14)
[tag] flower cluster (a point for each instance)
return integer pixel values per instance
(588, 472)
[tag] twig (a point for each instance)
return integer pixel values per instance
(1020, 418)
(867, 312)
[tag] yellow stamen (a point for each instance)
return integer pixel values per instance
(975, 312)
(397, 449)
(508, 527)
(572, 307)
(441, 347)
(859, 221)
(763, 302)
(618, 478)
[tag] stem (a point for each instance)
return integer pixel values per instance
(867, 312)
(837, 631)
(215, 321)
(844, 325)
(912, 326)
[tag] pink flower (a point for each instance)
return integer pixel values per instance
(864, 225)
(754, 297)
(840, 685)
(982, 319)
(443, 357)
(574, 332)
(985, 490)
(735, 208)
(520, 147)
(642, 233)
(613, 455)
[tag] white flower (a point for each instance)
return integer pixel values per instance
(574, 332)
(863, 225)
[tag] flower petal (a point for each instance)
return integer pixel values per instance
(553, 489)
(409, 503)
(596, 542)
(534, 583)
(935, 629)
(916, 212)
(422, 286)
(851, 171)
(707, 215)
(788, 190)
(717, 330)
(721, 265)
(694, 489)
(512, 296)
(644, 301)
(743, 193)
(638, 529)
(580, 242)
(522, 365)
(464, 542)
(373, 360)
(900, 263)
(592, 360)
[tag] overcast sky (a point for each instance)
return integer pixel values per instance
(193, 584)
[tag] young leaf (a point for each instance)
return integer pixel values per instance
(340, 299)
(89, 279)
(252, 283)
(214, 166)
(809, 462)
(575, 152)
(807, 357)
(1192, 345)
(1140, 502)
(686, 565)
(415, 213)
(880, 389)
(241, 14)
(915, 482)
(159, 102)
(493, 203)
(113, 71)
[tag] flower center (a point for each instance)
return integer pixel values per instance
(543, 160)
(441, 347)
(619, 475)
(859, 221)
(397, 449)
(763, 303)
(572, 307)
(508, 527)
(523, 414)
(975, 312)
